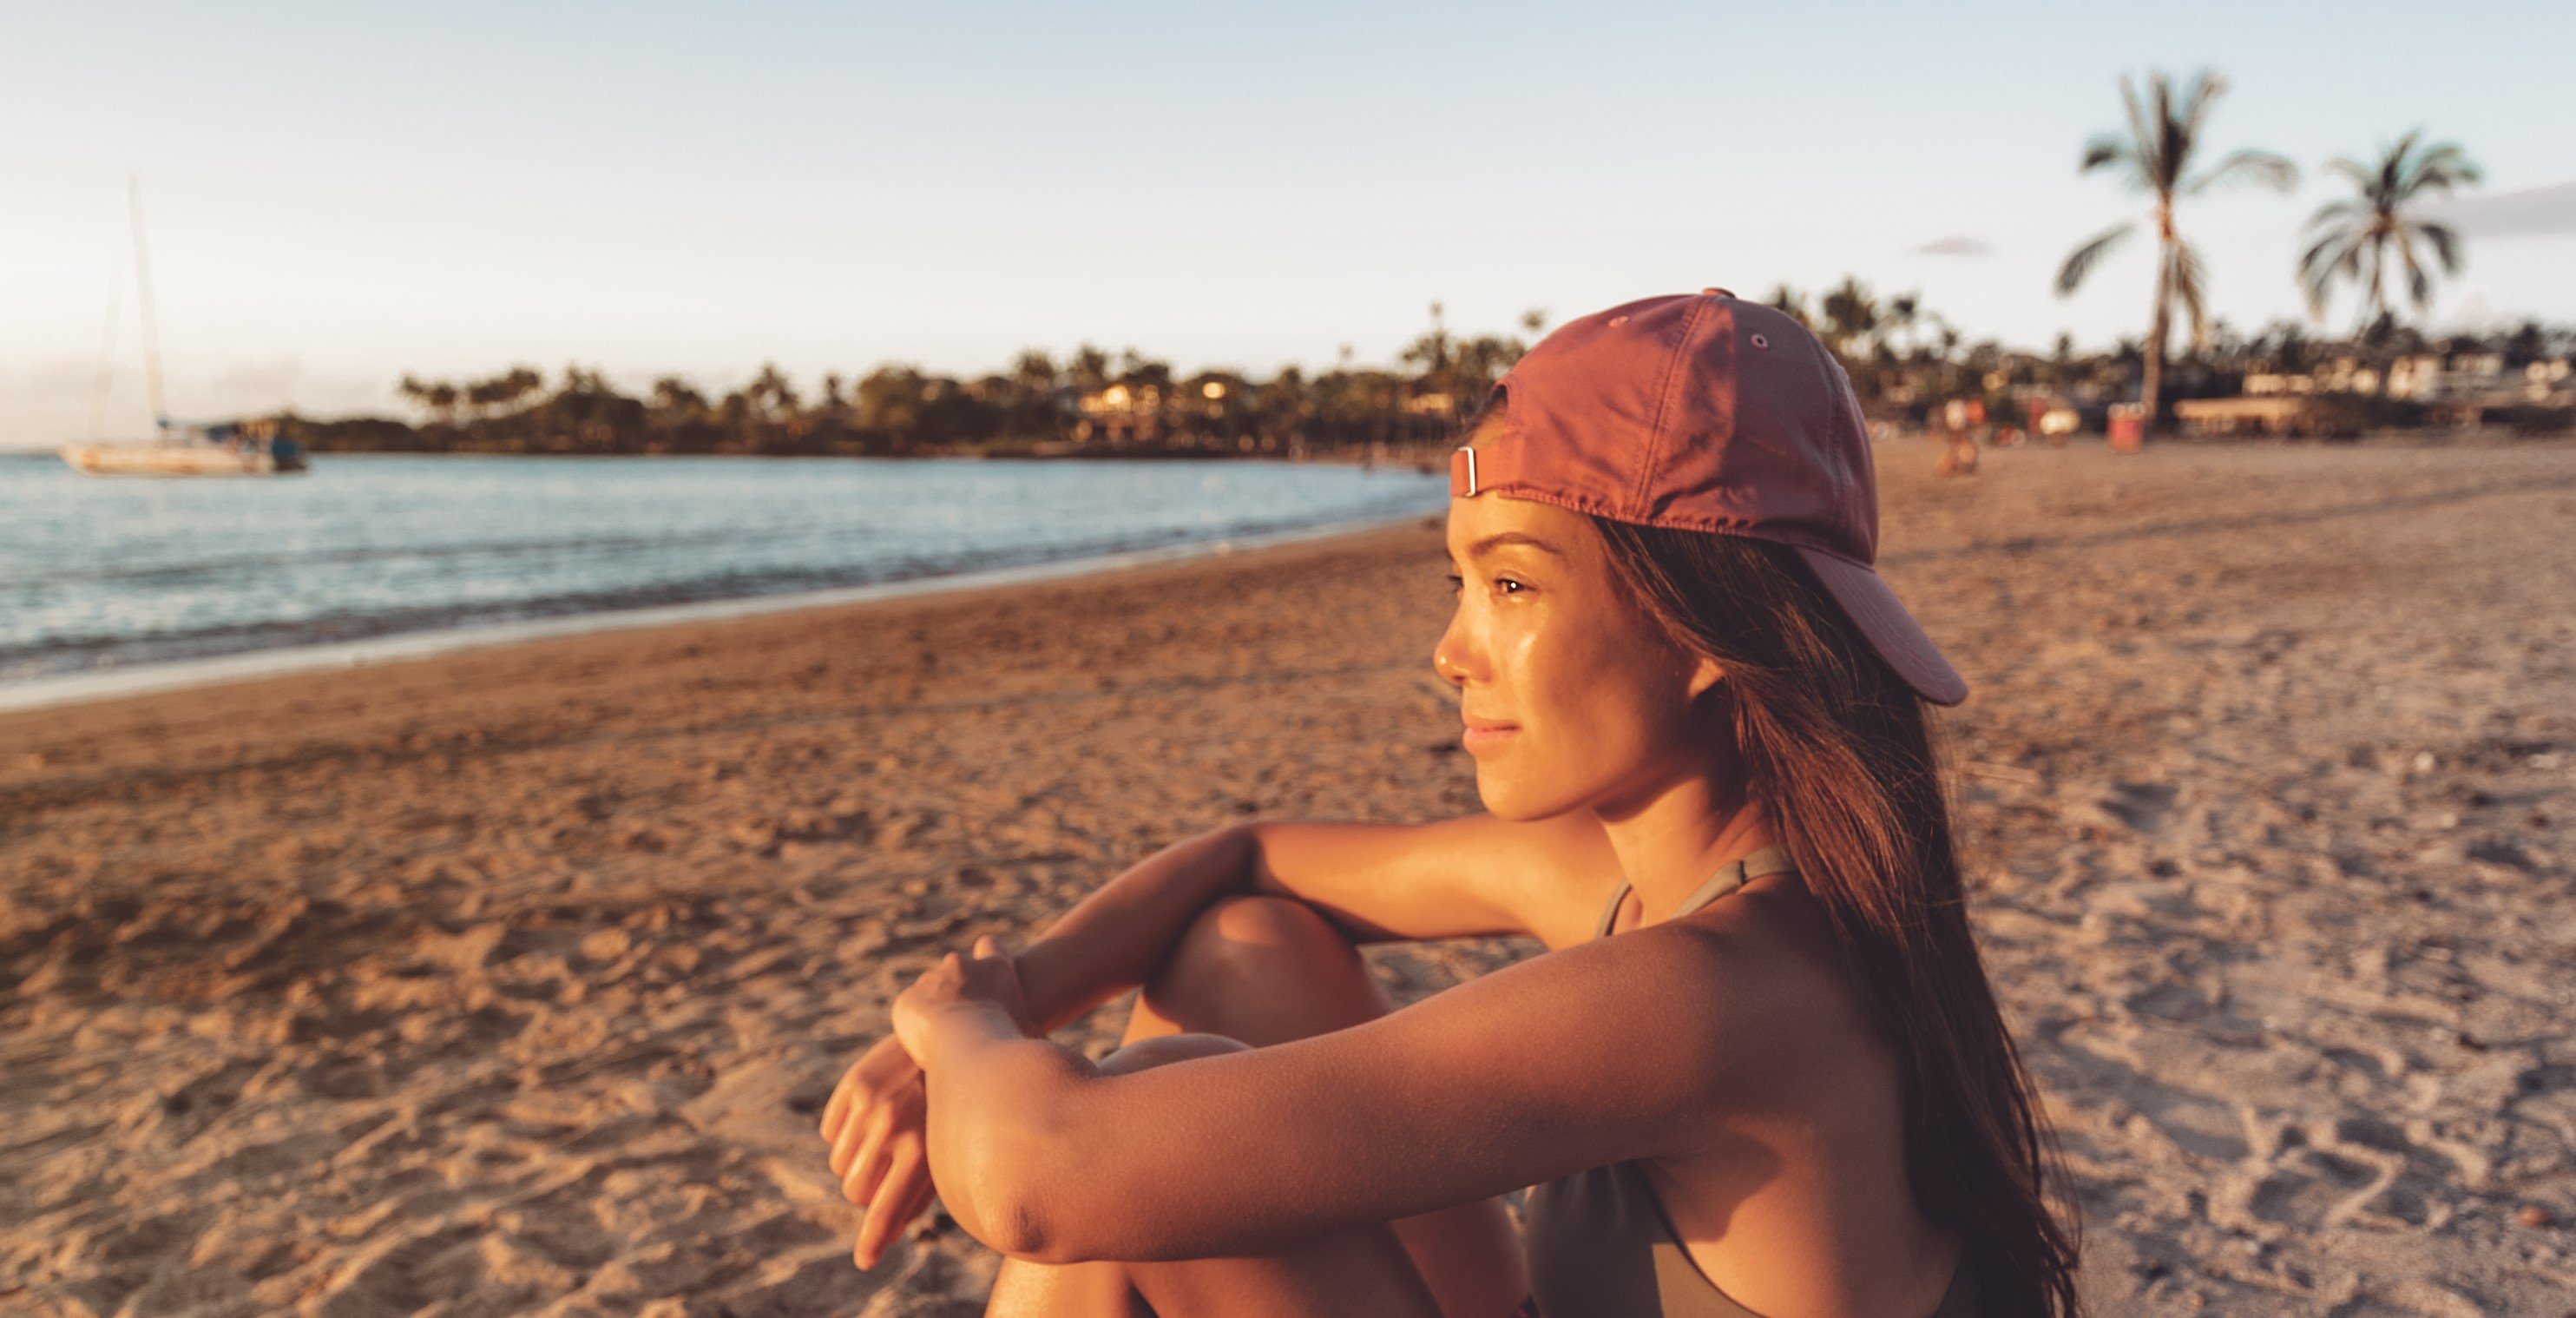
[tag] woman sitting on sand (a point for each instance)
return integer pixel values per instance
(1759, 1069)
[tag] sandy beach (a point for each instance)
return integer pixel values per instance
(511, 981)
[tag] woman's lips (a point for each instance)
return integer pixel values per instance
(1482, 734)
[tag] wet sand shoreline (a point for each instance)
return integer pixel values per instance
(508, 981)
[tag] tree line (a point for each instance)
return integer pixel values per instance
(1904, 359)
(1089, 400)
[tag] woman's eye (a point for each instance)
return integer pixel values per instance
(1456, 583)
(1507, 586)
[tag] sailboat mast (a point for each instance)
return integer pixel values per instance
(143, 285)
(106, 357)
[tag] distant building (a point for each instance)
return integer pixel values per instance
(2344, 395)
(1120, 414)
(2424, 377)
(2437, 377)
(2263, 386)
(2546, 382)
(2286, 413)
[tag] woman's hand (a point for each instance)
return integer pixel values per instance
(981, 993)
(874, 1125)
(876, 1121)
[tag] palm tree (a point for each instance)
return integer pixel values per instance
(1035, 378)
(2357, 238)
(1088, 372)
(771, 393)
(503, 392)
(1792, 302)
(677, 397)
(1851, 317)
(1435, 359)
(2165, 132)
(438, 396)
(1904, 311)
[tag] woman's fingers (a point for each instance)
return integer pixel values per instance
(882, 1072)
(867, 1106)
(862, 1129)
(902, 1186)
(859, 1157)
(859, 1178)
(921, 1200)
(844, 1097)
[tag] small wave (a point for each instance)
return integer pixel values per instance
(180, 574)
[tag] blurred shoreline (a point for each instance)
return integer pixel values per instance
(363, 559)
(54, 690)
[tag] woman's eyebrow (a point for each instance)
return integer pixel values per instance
(1511, 538)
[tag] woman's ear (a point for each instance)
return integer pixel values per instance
(1704, 676)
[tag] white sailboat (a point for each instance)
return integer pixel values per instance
(224, 448)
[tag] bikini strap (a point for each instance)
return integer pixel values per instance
(1729, 877)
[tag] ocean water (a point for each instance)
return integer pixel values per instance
(103, 573)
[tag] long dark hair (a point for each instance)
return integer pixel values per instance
(1842, 754)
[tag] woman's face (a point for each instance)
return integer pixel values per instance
(1572, 696)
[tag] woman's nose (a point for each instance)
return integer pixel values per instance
(1450, 659)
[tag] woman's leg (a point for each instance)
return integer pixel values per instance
(1263, 970)
(1266, 970)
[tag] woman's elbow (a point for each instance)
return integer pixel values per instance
(1012, 1191)
(1008, 1228)
(1021, 1223)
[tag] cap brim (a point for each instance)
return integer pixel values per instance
(1881, 617)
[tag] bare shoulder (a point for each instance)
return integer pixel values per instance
(1745, 1005)
(1778, 1014)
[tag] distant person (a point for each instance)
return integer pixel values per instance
(1957, 441)
(1760, 1068)
(1959, 456)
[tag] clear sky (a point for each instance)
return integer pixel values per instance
(339, 193)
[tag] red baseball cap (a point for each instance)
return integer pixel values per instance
(1706, 413)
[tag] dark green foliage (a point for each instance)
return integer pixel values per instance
(1904, 360)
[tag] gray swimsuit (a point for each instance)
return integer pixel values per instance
(1598, 1244)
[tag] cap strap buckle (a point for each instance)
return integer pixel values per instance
(1462, 473)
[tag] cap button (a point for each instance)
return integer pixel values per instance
(1717, 292)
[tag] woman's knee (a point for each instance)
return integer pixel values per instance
(1263, 969)
(1256, 936)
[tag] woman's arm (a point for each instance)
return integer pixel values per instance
(1449, 879)
(1111, 940)
(1591, 1056)
(1379, 882)
(873, 1124)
